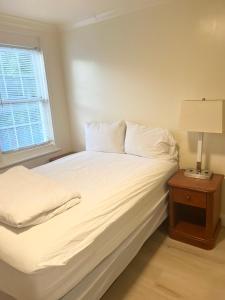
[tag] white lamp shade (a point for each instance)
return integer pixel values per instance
(203, 116)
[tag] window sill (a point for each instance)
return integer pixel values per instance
(10, 159)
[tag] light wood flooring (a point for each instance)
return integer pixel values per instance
(165, 269)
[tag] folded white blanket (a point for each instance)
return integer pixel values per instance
(27, 198)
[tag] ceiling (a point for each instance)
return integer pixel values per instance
(72, 12)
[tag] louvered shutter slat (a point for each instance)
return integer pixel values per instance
(24, 116)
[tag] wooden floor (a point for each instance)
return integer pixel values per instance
(166, 269)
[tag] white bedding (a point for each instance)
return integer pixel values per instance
(54, 283)
(111, 186)
(28, 198)
(96, 283)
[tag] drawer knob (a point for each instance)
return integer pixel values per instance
(188, 197)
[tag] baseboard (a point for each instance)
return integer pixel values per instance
(223, 220)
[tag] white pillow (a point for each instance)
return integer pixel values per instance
(149, 142)
(105, 137)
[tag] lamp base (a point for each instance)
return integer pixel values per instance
(204, 174)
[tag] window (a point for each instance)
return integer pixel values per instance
(25, 119)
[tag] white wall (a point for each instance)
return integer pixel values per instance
(50, 45)
(141, 66)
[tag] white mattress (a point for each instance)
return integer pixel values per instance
(113, 205)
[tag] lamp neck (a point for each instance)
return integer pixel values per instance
(199, 152)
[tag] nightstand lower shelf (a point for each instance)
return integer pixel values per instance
(190, 229)
(194, 234)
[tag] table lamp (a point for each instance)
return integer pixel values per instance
(202, 116)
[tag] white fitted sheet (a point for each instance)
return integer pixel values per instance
(95, 284)
(59, 282)
(113, 189)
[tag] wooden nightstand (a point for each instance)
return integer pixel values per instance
(194, 209)
(60, 156)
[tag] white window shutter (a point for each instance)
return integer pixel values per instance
(24, 103)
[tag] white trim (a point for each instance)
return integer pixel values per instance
(223, 219)
(13, 39)
(38, 25)
(111, 14)
(11, 159)
(26, 24)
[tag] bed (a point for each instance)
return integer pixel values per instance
(79, 253)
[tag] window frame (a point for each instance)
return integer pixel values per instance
(45, 100)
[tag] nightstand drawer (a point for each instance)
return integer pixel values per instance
(188, 197)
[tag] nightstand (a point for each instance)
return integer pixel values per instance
(194, 209)
(60, 156)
